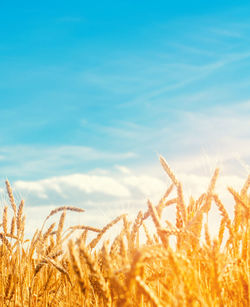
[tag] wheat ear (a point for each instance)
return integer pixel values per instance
(11, 197)
(181, 204)
(19, 217)
(60, 227)
(58, 267)
(157, 223)
(136, 226)
(245, 187)
(238, 198)
(168, 170)
(210, 190)
(145, 289)
(76, 266)
(90, 228)
(5, 219)
(93, 243)
(97, 277)
(63, 208)
(223, 212)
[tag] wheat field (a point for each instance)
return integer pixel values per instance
(64, 267)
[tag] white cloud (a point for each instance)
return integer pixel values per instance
(45, 161)
(147, 185)
(64, 185)
(34, 187)
(123, 169)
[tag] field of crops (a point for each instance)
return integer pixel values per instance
(59, 268)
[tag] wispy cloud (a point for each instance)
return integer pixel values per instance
(39, 161)
(228, 33)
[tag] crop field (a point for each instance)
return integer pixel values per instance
(78, 266)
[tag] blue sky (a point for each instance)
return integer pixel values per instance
(99, 89)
